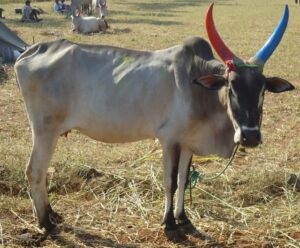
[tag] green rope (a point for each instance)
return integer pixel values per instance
(197, 176)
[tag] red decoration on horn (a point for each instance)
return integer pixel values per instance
(230, 66)
(215, 39)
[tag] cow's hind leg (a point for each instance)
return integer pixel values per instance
(36, 172)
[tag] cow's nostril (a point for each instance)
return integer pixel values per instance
(250, 137)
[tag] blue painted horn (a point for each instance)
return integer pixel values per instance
(269, 47)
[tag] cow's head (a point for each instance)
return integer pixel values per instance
(245, 83)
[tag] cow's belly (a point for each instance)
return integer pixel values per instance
(117, 123)
(131, 110)
(115, 133)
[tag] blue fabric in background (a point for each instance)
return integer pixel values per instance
(8, 54)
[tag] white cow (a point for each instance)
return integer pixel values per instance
(88, 24)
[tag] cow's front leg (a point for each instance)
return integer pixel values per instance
(36, 172)
(183, 179)
(171, 155)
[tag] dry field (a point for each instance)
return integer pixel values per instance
(120, 204)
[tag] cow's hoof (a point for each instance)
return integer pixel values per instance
(185, 225)
(187, 228)
(55, 218)
(51, 220)
(54, 231)
(47, 224)
(175, 235)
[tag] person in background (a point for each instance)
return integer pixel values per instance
(60, 6)
(29, 14)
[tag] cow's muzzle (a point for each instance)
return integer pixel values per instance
(250, 136)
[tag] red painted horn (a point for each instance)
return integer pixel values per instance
(222, 50)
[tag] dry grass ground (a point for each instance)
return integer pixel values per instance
(121, 204)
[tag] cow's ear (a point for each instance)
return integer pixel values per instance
(278, 85)
(211, 82)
